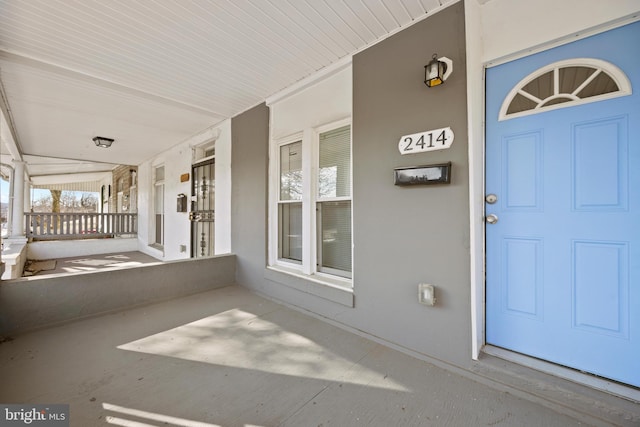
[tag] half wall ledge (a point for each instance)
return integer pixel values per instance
(40, 302)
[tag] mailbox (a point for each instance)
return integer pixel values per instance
(421, 175)
(182, 202)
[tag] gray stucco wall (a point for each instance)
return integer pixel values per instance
(249, 173)
(407, 235)
(402, 236)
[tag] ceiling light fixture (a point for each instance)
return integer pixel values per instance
(102, 141)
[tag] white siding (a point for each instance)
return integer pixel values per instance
(177, 228)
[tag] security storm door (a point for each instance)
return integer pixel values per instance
(563, 205)
(202, 213)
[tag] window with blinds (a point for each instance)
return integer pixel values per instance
(310, 203)
(290, 203)
(333, 210)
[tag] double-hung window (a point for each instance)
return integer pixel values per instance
(158, 206)
(333, 202)
(312, 234)
(290, 203)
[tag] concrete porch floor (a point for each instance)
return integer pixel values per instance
(231, 358)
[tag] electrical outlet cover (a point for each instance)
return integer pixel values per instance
(426, 294)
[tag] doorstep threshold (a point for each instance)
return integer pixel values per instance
(580, 395)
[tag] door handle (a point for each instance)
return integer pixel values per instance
(492, 218)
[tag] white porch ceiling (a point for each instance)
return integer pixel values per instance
(152, 73)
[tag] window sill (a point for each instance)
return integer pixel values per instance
(334, 290)
(159, 249)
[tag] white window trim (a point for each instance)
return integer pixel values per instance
(274, 198)
(156, 183)
(198, 151)
(310, 156)
(314, 190)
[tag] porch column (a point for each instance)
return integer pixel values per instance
(17, 218)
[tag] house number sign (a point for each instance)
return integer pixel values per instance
(431, 140)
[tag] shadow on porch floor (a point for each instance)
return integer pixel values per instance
(231, 358)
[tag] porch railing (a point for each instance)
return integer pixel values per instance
(55, 226)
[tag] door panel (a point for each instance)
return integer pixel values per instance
(563, 259)
(600, 145)
(523, 155)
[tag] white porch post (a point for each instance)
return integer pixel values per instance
(17, 219)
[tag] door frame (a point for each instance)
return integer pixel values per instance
(476, 117)
(206, 161)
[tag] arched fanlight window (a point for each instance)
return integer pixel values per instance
(565, 84)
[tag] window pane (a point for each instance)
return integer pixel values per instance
(159, 214)
(334, 225)
(541, 87)
(6, 214)
(291, 171)
(159, 227)
(290, 231)
(521, 103)
(570, 78)
(334, 174)
(159, 173)
(602, 84)
(159, 199)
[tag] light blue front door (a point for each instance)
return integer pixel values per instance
(563, 253)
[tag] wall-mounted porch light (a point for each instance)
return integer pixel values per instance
(437, 70)
(102, 142)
